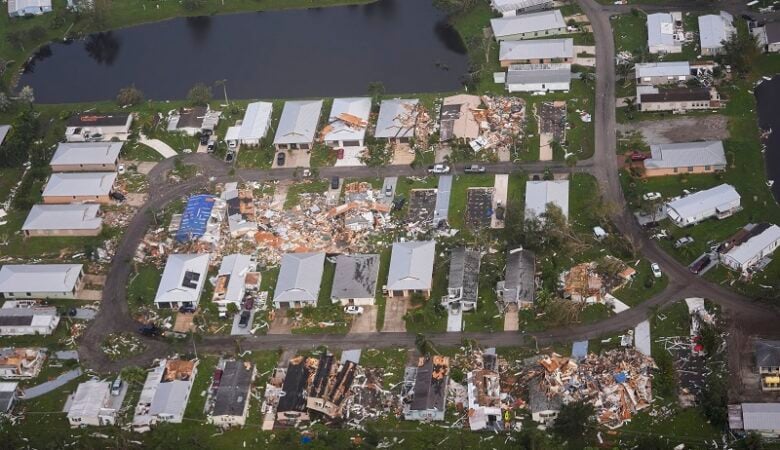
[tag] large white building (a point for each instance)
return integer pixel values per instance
(298, 125)
(720, 201)
(540, 193)
(536, 51)
(759, 241)
(19, 318)
(664, 33)
(668, 72)
(165, 394)
(538, 77)
(92, 405)
(21, 8)
(528, 26)
(299, 280)
(511, 8)
(713, 30)
(254, 126)
(86, 157)
(40, 280)
(77, 219)
(182, 280)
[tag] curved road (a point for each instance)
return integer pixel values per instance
(114, 315)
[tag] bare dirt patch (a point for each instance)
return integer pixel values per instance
(683, 129)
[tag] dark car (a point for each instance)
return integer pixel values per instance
(699, 265)
(230, 156)
(638, 156)
(399, 203)
(187, 309)
(118, 196)
(474, 168)
(204, 138)
(334, 182)
(243, 321)
(280, 158)
(149, 330)
(249, 303)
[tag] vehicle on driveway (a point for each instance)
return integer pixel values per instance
(651, 196)
(638, 156)
(700, 264)
(118, 196)
(334, 182)
(204, 137)
(280, 158)
(149, 329)
(656, 269)
(683, 241)
(439, 169)
(187, 309)
(474, 168)
(243, 321)
(352, 309)
(120, 169)
(388, 191)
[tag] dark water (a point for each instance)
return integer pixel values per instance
(406, 44)
(768, 98)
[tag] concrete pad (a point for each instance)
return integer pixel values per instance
(280, 194)
(585, 61)
(545, 149)
(98, 280)
(442, 152)
(500, 188)
(332, 195)
(366, 322)
(351, 157)
(511, 319)
(454, 320)
(281, 324)
(184, 322)
(294, 158)
(390, 182)
(90, 294)
(617, 306)
(642, 340)
(235, 330)
(589, 49)
(159, 146)
(85, 314)
(402, 155)
(395, 309)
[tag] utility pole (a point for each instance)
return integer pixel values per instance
(223, 83)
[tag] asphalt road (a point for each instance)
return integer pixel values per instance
(114, 315)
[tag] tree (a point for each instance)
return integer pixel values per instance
(200, 95)
(27, 95)
(232, 309)
(423, 344)
(223, 83)
(753, 441)
(376, 89)
(575, 424)
(454, 6)
(5, 102)
(24, 130)
(630, 103)
(740, 52)
(133, 375)
(129, 95)
(377, 153)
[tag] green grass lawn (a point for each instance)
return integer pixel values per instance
(458, 196)
(391, 360)
(326, 310)
(143, 286)
(306, 187)
(487, 317)
(630, 31)
(380, 300)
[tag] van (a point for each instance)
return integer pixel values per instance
(116, 387)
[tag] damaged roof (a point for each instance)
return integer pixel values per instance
(464, 272)
(356, 276)
(233, 391)
(519, 281)
(767, 353)
(397, 118)
(430, 385)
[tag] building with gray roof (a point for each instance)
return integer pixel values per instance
(86, 157)
(63, 220)
(411, 268)
(664, 32)
(463, 280)
(425, 389)
(767, 354)
(300, 276)
(347, 122)
(761, 241)
(20, 318)
(4, 130)
(538, 194)
(510, 8)
(298, 125)
(354, 282)
(761, 418)
(40, 280)
(720, 201)
(79, 187)
(519, 284)
(656, 73)
(182, 280)
(255, 124)
(538, 77)
(165, 394)
(544, 407)
(231, 400)
(528, 26)
(713, 30)
(8, 396)
(21, 8)
(397, 119)
(685, 157)
(231, 282)
(538, 51)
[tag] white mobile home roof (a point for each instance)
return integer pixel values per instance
(79, 184)
(699, 202)
(39, 277)
(538, 73)
(75, 153)
(660, 30)
(527, 23)
(256, 121)
(397, 118)
(63, 217)
(88, 399)
(539, 193)
(300, 276)
(686, 154)
(21, 5)
(714, 29)
(512, 5)
(183, 278)
(233, 133)
(298, 123)
(761, 416)
(359, 107)
(411, 265)
(236, 266)
(755, 245)
(536, 49)
(663, 69)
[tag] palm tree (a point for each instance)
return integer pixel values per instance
(630, 106)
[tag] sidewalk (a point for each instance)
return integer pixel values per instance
(45, 388)
(159, 146)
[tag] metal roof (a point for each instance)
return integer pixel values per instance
(519, 279)
(233, 391)
(539, 193)
(79, 184)
(4, 129)
(457, 117)
(39, 277)
(91, 119)
(660, 30)
(300, 276)
(236, 266)
(63, 217)
(298, 123)
(512, 5)
(358, 107)
(767, 353)
(75, 153)
(772, 30)
(686, 154)
(755, 245)
(257, 119)
(663, 69)
(22, 316)
(411, 265)
(536, 49)
(233, 133)
(761, 416)
(699, 202)
(715, 28)
(397, 118)
(356, 276)
(183, 278)
(527, 23)
(538, 73)
(89, 399)
(464, 273)
(170, 398)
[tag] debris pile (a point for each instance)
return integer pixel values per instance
(121, 345)
(501, 122)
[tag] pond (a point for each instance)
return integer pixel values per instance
(406, 44)
(768, 98)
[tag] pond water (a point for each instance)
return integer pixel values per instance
(406, 44)
(768, 98)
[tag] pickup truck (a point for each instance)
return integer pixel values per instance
(439, 169)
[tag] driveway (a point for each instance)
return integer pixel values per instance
(159, 146)
(293, 158)
(394, 314)
(454, 320)
(281, 323)
(351, 157)
(390, 182)
(366, 322)
(500, 186)
(511, 321)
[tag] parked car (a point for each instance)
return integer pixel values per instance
(683, 241)
(700, 264)
(334, 182)
(439, 169)
(187, 309)
(388, 191)
(212, 145)
(116, 387)
(243, 321)
(352, 309)
(229, 156)
(204, 137)
(232, 144)
(280, 158)
(120, 169)
(149, 329)
(118, 196)
(249, 303)
(656, 269)
(399, 203)
(638, 156)
(474, 168)
(651, 196)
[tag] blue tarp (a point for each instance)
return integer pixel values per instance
(579, 350)
(620, 377)
(195, 217)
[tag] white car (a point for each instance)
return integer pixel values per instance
(352, 309)
(439, 169)
(120, 169)
(656, 270)
(651, 196)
